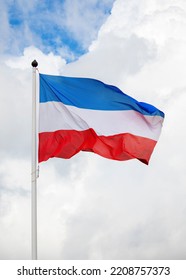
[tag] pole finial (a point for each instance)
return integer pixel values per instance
(34, 63)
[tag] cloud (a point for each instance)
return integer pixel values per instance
(89, 207)
(49, 63)
(137, 51)
(83, 18)
(14, 208)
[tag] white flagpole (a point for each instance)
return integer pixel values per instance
(34, 165)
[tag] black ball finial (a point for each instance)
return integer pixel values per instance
(34, 63)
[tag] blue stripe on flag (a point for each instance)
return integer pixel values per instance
(90, 94)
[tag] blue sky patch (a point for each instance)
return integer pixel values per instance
(56, 25)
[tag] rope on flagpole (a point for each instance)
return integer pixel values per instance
(34, 174)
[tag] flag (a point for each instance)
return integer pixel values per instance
(83, 114)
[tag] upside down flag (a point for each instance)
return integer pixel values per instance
(82, 114)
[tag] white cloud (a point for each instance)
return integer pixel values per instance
(89, 207)
(48, 63)
(82, 18)
(14, 209)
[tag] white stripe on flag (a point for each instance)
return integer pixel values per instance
(57, 116)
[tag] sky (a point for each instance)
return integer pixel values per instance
(90, 207)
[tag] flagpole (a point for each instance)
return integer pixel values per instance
(34, 165)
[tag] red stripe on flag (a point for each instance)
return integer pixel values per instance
(66, 143)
